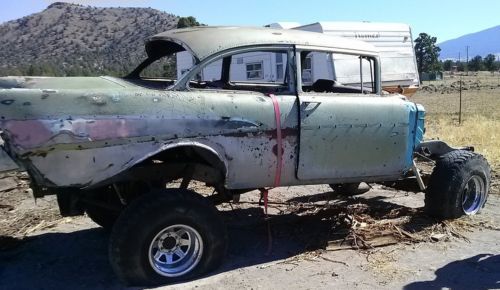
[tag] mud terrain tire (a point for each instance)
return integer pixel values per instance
(459, 185)
(154, 227)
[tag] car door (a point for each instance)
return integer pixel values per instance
(246, 98)
(349, 134)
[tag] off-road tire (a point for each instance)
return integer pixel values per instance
(148, 215)
(445, 190)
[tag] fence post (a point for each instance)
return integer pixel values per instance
(460, 105)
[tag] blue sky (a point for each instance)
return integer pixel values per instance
(445, 19)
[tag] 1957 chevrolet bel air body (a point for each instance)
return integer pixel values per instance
(107, 146)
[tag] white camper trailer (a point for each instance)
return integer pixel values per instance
(394, 40)
(395, 43)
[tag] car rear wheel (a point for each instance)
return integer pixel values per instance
(167, 236)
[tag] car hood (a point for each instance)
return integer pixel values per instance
(104, 82)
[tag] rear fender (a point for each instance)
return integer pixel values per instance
(92, 167)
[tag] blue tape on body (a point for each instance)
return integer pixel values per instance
(416, 129)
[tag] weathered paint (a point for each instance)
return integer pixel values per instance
(420, 124)
(205, 41)
(88, 131)
(61, 140)
(416, 131)
(356, 135)
(80, 132)
(49, 83)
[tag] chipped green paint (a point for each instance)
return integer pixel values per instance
(82, 131)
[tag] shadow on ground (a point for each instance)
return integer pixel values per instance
(478, 272)
(78, 260)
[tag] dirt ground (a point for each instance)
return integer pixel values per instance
(313, 239)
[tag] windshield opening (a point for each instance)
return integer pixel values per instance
(161, 69)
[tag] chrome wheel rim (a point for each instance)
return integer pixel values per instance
(473, 195)
(175, 250)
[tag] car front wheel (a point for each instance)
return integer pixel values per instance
(458, 185)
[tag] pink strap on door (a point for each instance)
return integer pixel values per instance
(279, 141)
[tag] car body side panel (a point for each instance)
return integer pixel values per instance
(251, 157)
(361, 136)
(51, 83)
(80, 138)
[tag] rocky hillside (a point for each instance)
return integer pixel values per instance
(70, 39)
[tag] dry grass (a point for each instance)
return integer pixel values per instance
(478, 131)
(480, 116)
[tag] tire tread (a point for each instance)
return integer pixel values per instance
(443, 189)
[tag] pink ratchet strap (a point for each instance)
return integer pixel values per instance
(279, 153)
(279, 141)
(279, 163)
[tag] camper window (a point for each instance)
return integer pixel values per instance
(307, 77)
(254, 71)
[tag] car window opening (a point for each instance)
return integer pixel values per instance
(261, 71)
(327, 72)
(160, 69)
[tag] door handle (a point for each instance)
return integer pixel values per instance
(309, 106)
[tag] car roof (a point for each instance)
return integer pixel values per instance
(204, 41)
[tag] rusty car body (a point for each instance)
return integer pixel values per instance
(59, 128)
(85, 138)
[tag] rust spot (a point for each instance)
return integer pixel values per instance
(285, 132)
(98, 100)
(275, 149)
(7, 102)
(41, 154)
